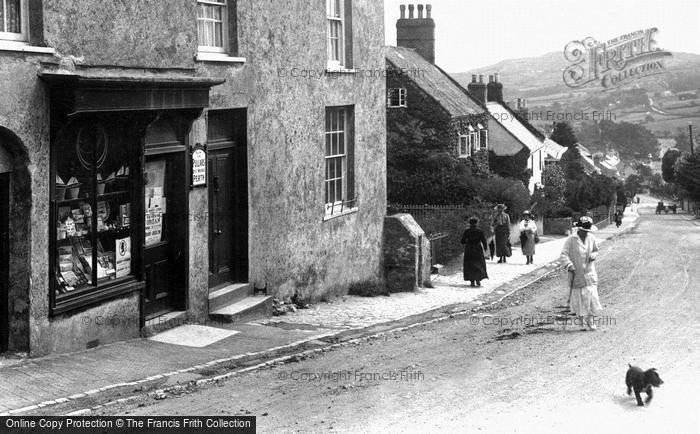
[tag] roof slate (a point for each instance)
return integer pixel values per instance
(434, 81)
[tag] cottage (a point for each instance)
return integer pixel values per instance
(165, 162)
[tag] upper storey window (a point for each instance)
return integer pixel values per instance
(13, 20)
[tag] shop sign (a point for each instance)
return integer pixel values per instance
(123, 257)
(199, 166)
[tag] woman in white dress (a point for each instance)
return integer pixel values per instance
(528, 230)
(578, 256)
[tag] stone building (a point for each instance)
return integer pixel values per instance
(163, 159)
(426, 108)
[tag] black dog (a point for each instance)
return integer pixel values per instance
(642, 381)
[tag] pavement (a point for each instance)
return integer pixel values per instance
(203, 351)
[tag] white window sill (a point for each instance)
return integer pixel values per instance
(218, 57)
(24, 47)
(341, 70)
(340, 214)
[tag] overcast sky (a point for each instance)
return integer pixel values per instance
(471, 34)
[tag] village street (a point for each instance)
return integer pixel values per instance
(509, 368)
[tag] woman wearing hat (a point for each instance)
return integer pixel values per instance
(474, 245)
(528, 230)
(578, 256)
(501, 227)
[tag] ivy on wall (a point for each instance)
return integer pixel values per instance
(514, 166)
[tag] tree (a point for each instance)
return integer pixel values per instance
(572, 164)
(682, 141)
(668, 164)
(554, 185)
(564, 134)
(634, 184)
(688, 176)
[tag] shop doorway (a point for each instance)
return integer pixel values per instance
(4, 259)
(228, 198)
(165, 258)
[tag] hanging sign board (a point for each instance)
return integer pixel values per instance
(199, 166)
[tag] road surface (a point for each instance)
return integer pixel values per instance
(505, 370)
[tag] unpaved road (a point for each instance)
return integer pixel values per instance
(504, 370)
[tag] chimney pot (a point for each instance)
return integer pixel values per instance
(428, 11)
(520, 103)
(524, 103)
(420, 11)
(490, 78)
(473, 78)
(410, 12)
(495, 77)
(403, 11)
(481, 78)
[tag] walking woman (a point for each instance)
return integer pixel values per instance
(474, 246)
(501, 227)
(528, 236)
(578, 256)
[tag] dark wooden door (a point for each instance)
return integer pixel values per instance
(165, 256)
(4, 259)
(228, 215)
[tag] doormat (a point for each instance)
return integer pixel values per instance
(193, 335)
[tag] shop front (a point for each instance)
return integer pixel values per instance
(119, 192)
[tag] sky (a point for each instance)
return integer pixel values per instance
(472, 34)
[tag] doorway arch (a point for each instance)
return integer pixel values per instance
(15, 242)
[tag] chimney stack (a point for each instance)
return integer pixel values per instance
(403, 11)
(495, 89)
(478, 89)
(417, 33)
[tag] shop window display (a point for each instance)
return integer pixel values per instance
(92, 205)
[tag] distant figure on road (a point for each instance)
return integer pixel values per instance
(617, 218)
(660, 207)
(501, 225)
(578, 256)
(475, 247)
(528, 235)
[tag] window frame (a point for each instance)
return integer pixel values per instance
(338, 19)
(23, 36)
(346, 203)
(224, 5)
(401, 97)
(466, 146)
(483, 139)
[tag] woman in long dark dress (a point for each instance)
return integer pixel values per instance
(474, 242)
(501, 227)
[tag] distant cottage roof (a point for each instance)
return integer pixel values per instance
(433, 81)
(553, 149)
(505, 117)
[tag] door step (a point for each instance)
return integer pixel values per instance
(247, 309)
(229, 294)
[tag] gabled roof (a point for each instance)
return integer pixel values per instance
(553, 149)
(514, 126)
(433, 81)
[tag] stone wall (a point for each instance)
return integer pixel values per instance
(406, 254)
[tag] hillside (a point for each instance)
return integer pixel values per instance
(664, 103)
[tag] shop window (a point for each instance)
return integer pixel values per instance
(339, 180)
(216, 26)
(93, 208)
(396, 97)
(13, 20)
